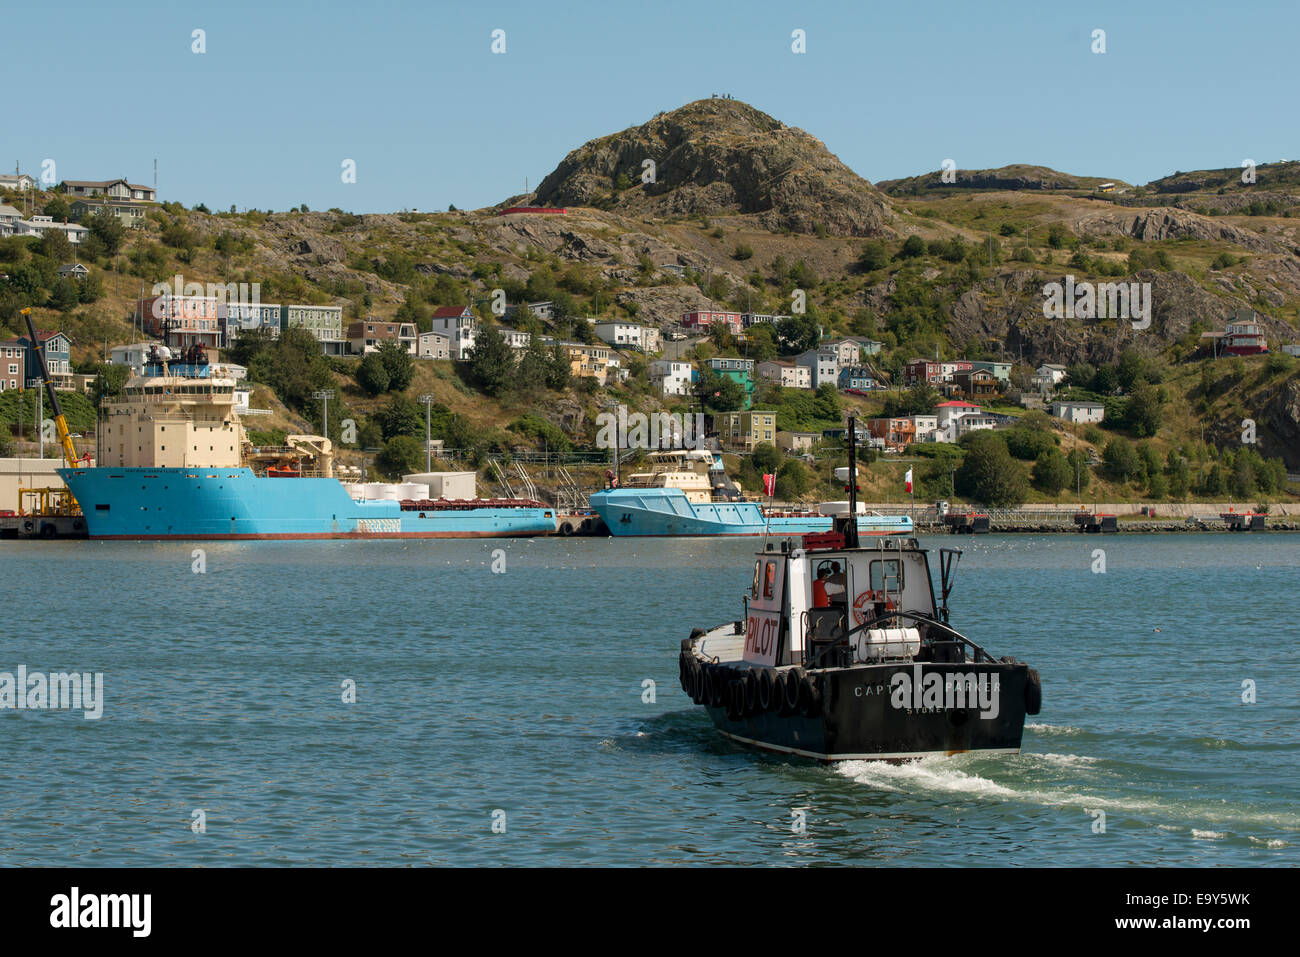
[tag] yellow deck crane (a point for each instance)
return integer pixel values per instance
(64, 503)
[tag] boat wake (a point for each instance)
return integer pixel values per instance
(1064, 781)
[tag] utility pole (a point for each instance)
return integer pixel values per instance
(40, 414)
(324, 395)
(427, 399)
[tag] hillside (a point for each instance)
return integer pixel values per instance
(750, 211)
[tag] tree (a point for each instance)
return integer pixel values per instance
(397, 363)
(56, 247)
(914, 246)
(1119, 460)
(401, 416)
(1145, 409)
(372, 374)
(57, 208)
(1106, 381)
(1179, 475)
(765, 457)
(109, 379)
(1080, 476)
(559, 369)
(988, 474)
(827, 403)
(874, 256)
(1081, 375)
(294, 366)
(492, 362)
(1132, 367)
(108, 229)
(1052, 472)
(720, 393)
(534, 365)
(64, 297)
(402, 455)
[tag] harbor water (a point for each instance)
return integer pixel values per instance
(516, 703)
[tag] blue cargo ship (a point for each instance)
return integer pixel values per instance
(175, 464)
(686, 493)
(236, 503)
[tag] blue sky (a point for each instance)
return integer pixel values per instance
(285, 92)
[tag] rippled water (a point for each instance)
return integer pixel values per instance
(522, 692)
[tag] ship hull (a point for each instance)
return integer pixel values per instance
(888, 711)
(668, 512)
(858, 722)
(143, 504)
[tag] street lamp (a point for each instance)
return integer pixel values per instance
(427, 399)
(324, 395)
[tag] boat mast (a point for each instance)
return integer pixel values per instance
(851, 526)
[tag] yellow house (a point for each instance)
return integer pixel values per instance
(741, 431)
(588, 361)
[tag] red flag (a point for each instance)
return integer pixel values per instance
(769, 484)
(908, 479)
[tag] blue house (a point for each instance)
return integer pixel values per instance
(856, 377)
(58, 354)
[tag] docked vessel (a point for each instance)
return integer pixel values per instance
(843, 653)
(176, 465)
(686, 492)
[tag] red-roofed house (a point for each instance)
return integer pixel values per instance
(458, 324)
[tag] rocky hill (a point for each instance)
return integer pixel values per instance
(1017, 177)
(720, 156)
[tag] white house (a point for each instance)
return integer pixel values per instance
(946, 416)
(9, 215)
(458, 324)
(823, 366)
(786, 374)
(620, 333)
(37, 226)
(1054, 375)
(132, 355)
(515, 338)
(1080, 413)
(17, 181)
(971, 422)
(671, 378)
(927, 428)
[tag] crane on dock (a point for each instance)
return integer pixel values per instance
(60, 423)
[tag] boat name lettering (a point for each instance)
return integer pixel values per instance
(866, 691)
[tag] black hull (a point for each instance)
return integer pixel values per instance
(858, 719)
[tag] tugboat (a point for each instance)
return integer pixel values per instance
(843, 654)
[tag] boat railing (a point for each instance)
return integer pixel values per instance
(293, 473)
(814, 659)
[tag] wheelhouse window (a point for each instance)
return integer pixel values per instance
(758, 571)
(769, 580)
(887, 575)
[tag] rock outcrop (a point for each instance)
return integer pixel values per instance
(717, 157)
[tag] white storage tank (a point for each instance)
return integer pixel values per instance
(877, 643)
(841, 508)
(457, 485)
(412, 491)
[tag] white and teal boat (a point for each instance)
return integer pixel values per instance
(686, 493)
